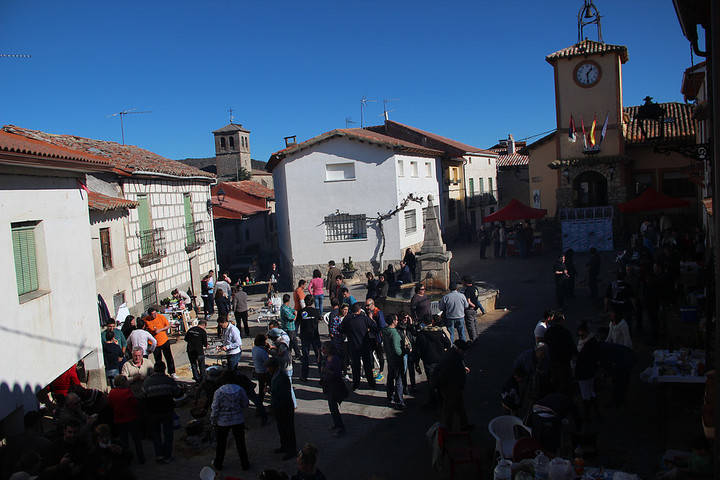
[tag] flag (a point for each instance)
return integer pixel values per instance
(582, 124)
(572, 134)
(593, 143)
(604, 129)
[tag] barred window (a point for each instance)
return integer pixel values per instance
(410, 221)
(342, 226)
(149, 295)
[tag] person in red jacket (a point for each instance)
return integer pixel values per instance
(125, 415)
(61, 385)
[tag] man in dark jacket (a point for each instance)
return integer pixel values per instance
(160, 392)
(196, 339)
(450, 381)
(359, 329)
(561, 349)
(393, 350)
(283, 408)
(309, 336)
(471, 293)
(430, 346)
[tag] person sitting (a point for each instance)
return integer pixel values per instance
(183, 299)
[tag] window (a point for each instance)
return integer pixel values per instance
(149, 295)
(410, 221)
(401, 168)
(471, 186)
(105, 248)
(481, 185)
(118, 300)
(145, 224)
(677, 184)
(414, 169)
(342, 226)
(336, 172)
(189, 224)
(232, 142)
(222, 142)
(454, 174)
(490, 184)
(641, 181)
(428, 169)
(25, 253)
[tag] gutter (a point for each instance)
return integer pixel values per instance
(178, 177)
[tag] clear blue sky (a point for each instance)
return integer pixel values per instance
(471, 70)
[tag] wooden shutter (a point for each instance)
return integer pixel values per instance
(189, 227)
(24, 251)
(105, 249)
(146, 243)
(472, 186)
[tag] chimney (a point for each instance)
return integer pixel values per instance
(510, 145)
(290, 141)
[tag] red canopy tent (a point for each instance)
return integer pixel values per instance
(515, 210)
(651, 199)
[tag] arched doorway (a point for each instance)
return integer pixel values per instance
(590, 189)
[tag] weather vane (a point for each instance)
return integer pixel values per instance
(589, 15)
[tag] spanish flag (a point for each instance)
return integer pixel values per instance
(592, 132)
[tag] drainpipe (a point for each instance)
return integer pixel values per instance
(465, 197)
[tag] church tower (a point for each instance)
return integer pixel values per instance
(232, 151)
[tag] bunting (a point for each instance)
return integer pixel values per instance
(572, 133)
(604, 129)
(582, 125)
(593, 142)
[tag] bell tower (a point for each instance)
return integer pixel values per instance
(232, 150)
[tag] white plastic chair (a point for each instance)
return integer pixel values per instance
(502, 428)
(326, 318)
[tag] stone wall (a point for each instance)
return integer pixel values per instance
(616, 184)
(305, 271)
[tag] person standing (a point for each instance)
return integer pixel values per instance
(572, 272)
(113, 356)
(377, 316)
(346, 297)
(336, 290)
(561, 277)
(561, 350)
(471, 293)
(240, 309)
(287, 322)
(420, 304)
(141, 338)
(450, 379)
(231, 342)
(453, 305)
(359, 330)
(160, 392)
(382, 290)
(223, 303)
(125, 415)
(309, 337)
(495, 240)
(158, 325)
(316, 290)
(280, 350)
(593, 271)
(390, 279)
(483, 240)
(393, 350)
(333, 385)
(260, 356)
(586, 367)
(226, 413)
(120, 337)
(196, 340)
(411, 261)
(211, 290)
(430, 346)
(223, 284)
(372, 285)
(299, 295)
(283, 408)
(128, 326)
(136, 370)
(332, 273)
(273, 279)
(207, 295)
(619, 332)
(502, 237)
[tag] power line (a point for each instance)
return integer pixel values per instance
(536, 135)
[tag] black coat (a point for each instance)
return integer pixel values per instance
(359, 329)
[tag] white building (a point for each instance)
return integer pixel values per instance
(330, 189)
(50, 313)
(480, 187)
(151, 221)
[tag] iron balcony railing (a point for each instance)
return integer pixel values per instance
(152, 246)
(194, 236)
(483, 199)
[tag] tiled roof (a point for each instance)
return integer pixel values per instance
(359, 134)
(234, 209)
(257, 164)
(103, 203)
(10, 142)
(231, 127)
(129, 158)
(512, 160)
(588, 47)
(252, 188)
(438, 138)
(679, 124)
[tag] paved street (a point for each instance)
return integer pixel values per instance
(389, 444)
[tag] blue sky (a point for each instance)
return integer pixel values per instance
(471, 70)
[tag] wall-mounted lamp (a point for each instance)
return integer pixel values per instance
(221, 195)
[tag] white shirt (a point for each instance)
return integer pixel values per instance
(141, 338)
(619, 334)
(185, 298)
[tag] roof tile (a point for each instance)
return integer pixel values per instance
(11, 142)
(103, 203)
(679, 124)
(589, 47)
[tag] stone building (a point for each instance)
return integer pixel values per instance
(512, 171)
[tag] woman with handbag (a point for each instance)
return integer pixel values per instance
(333, 386)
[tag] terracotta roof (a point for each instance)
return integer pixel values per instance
(252, 188)
(358, 134)
(438, 138)
(18, 144)
(588, 47)
(231, 127)
(512, 160)
(234, 209)
(103, 203)
(693, 79)
(128, 158)
(679, 124)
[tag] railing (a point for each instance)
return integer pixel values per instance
(152, 246)
(194, 236)
(482, 199)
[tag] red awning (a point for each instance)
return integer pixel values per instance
(515, 210)
(651, 199)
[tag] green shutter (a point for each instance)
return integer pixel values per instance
(472, 186)
(24, 251)
(146, 245)
(189, 228)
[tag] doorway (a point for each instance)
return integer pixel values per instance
(590, 189)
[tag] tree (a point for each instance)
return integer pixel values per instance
(381, 217)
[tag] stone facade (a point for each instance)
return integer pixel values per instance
(434, 259)
(167, 212)
(616, 183)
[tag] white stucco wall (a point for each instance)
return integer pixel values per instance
(114, 280)
(304, 197)
(167, 211)
(421, 186)
(45, 336)
(480, 167)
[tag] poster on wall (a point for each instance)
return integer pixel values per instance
(536, 198)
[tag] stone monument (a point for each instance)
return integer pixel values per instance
(434, 257)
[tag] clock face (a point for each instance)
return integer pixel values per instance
(587, 74)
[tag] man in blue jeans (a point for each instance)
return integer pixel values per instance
(453, 306)
(231, 342)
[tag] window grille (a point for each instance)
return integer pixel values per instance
(345, 227)
(410, 221)
(149, 295)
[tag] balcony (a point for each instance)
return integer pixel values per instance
(152, 246)
(482, 199)
(194, 236)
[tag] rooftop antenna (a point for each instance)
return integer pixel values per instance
(14, 55)
(121, 115)
(589, 15)
(386, 102)
(231, 115)
(349, 121)
(363, 103)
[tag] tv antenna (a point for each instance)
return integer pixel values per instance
(349, 121)
(363, 103)
(386, 102)
(231, 114)
(121, 115)
(14, 55)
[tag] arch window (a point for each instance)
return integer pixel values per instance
(232, 142)
(222, 142)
